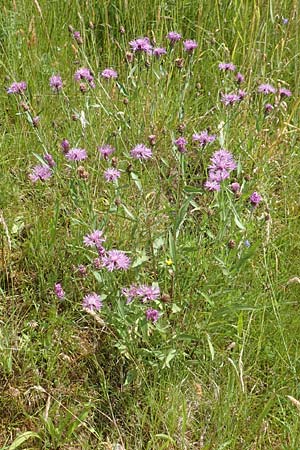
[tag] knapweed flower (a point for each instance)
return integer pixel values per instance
(65, 145)
(84, 74)
(92, 302)
(235, 187)
(95, 238)
(212, 185)
(77, 37)
(56, 83)
(239, 78)
(255, 199)
(229, 99)
(112, 174)
(40, 173)
(116, 260)
(181, 144)
(36, 121)
(203, 138)
(106, 150)
(140, 151)
(141, 45)
(130, 293)
(241, 94)
(190, 45)
(266, 89)
(283, 92)
(222, 159)
(109, 73)
(58, 291)
(49, 159)
(148, 293)
(227, 67)
(17, 87)
(76, 154)
(152, 315)
(159, 51)
(173, 36)
(268, 107)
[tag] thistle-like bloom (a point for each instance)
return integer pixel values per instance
(181, 143)
(56, 83)
(283, 92)
(95, 238)
(204, 138)
(130, 293)
(159, 51)
(227, 67)
(230, 99)
(239, 78)
(241, 94)
(106, 150)
(76, 154)
(141, 45)
(266, 89)
(77, 37)
(222, 159)
(58, 291)
(190, 45)
(173, 36)
(112, 174)
(268, 107)
(92, 302)
(255, 199)
(116, 260)
(212, 185)
(235, 187)
(49, 159)
(65, 145)
(109, 73)
(84, 74)
(17, 87)
(40, 173)
(152, 315)
(148, 293)
(140, 151)
(36, 121)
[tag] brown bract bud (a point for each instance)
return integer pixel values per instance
(24, 106)
(118, 201)
(152, 139)
(165, 298)
(82, 173)
(71, 29)
(83, 87)
(181, 127)
(91, 25)
(114, 161)
(247, 177)
(231, 244)
(129, 57)
(179, 63)
(147, 64)
(125, 101)
(129, 168)
(122, 30)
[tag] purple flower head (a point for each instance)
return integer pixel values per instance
(159, 51)
(56, 83)
(283, 92)
(266, 89)
(229, 99)
(65, 145)
(141, 45)
(268, 107)
(152, 315)
(212, 185)
(92, 302)
(130, 293)
(116, 260)
(109, 73)
(17, 88)
(241, 94)
(58, 291)
(235, 187)
(227, 67)
(218, 175)
(40, 173)
(181, 144)
(49, 159)
(106, 150)
(173, 36)
(112, 174)
(84, 74)
(190, 45)
(239, 78)
(94, 239)
(77, 37)
(204, 138)
(222, 159)
(140, 151)
(76, 154)
(255, 199)
(36, 121)
(148, 293)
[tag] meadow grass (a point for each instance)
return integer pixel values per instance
(219, 369)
